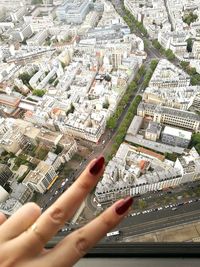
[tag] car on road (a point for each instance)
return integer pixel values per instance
(174, 208)
(133, 214)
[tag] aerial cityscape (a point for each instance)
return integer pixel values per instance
(83, 78)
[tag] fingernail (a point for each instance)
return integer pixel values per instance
(97, 165)
(124, 206)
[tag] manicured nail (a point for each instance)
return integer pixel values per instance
(97, 165)
(124, 206)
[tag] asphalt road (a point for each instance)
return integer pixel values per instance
(157, 220)
(146, 223)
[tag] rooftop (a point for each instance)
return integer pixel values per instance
(38, 174)
(177, 132)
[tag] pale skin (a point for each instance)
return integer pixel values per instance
(20, 246)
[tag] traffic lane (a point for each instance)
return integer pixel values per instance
(154, 215)
(146, 223)
(57, 192)
(157, 225)
(148, 227)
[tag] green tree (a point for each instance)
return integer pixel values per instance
(25, 77)
(39, 92)
(184, 64)
(189, 45)
(111, 123)
(107, 78)
(154, 64)
(169, 54)
(142, 204)
(188, 19)
(171, 156)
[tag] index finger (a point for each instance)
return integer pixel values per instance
(48, 224)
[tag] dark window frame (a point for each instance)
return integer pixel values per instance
(128, 250)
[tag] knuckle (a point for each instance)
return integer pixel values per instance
(82, 244)
(84, 186)
(57, 216)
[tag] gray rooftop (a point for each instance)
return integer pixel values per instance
(169, 111)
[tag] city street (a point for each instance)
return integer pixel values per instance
(142, 223)
(146, 223)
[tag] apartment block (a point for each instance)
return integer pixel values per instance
(167, 75)
(73, 11)
(135, 171)
(170, 116)
(189, 166)
(176, 137)
(40, 178)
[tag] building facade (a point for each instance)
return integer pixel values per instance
(40, 179)
(176, 137)
(170, 116)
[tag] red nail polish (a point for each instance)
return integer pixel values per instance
(97, 165)
(124, 206)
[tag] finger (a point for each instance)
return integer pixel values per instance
(19, 222)
(3, 218)
(63, 209)
(76, 245)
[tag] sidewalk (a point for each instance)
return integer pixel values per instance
(182, 233)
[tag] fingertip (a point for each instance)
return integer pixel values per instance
(35, 209)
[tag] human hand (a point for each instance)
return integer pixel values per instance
(24, 235)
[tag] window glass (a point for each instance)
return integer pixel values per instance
(120, 78)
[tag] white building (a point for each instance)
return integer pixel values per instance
(167, 75)
(18, 14)
(170, 116)
(73, 11)
(22, 33)
(132, 172)
(38, 39)
(40, 179)
(189, 165)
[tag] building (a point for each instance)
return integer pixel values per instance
(48, 137)
(175, 97)
(10, 206)
(196, 103)
(41, 178)
(21, 192)
(135, 171)
(170, 116)
(196, 49)
(17, 15)
(73, 11)
(38, 39)
(13, 140)
(22, 33)
(153, 131)
(5, 175)
(3, 194)
(167, 75)
(40, 18)
(135, 125)
(176, 137)
(189, 165)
